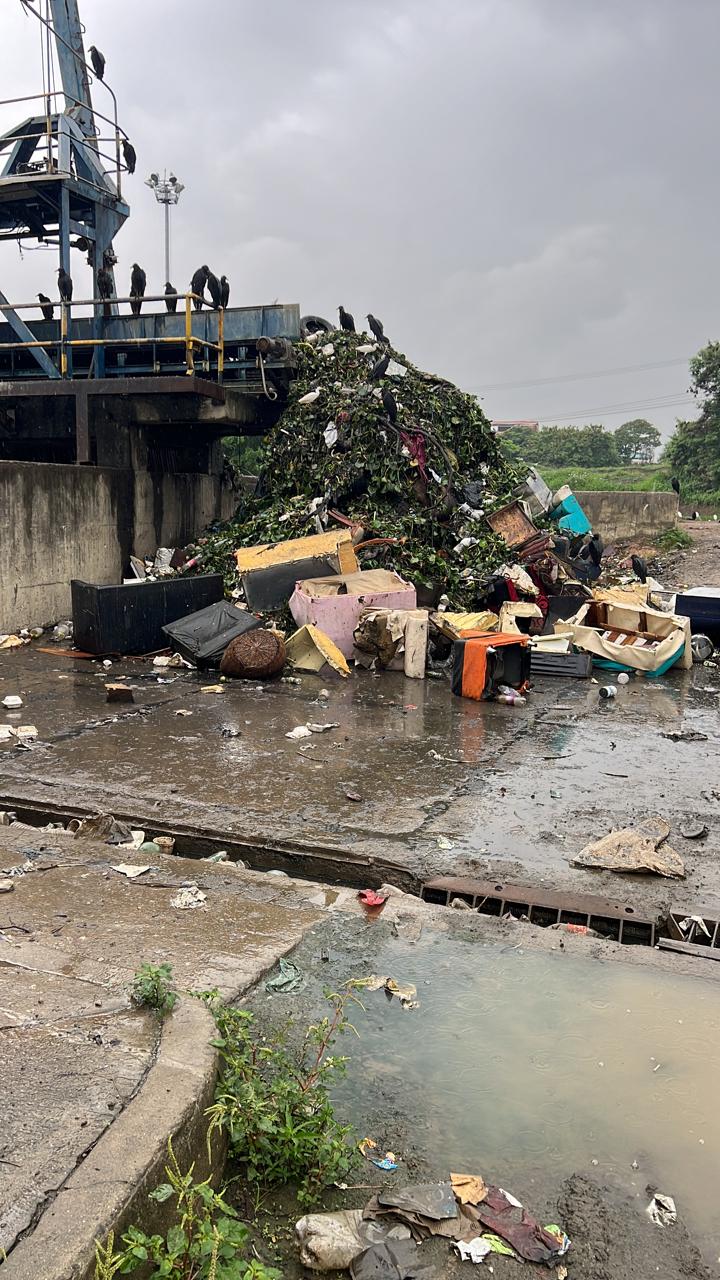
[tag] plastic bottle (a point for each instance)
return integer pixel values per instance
(511, 699)
(608, 691)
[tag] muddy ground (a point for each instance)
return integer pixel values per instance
(604, 1215)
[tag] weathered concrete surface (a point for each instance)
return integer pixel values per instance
(76, 1055)
(62, 522)
(629, 515)
(516, 791)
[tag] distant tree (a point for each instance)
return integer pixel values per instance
(637, 440)
(694, 450)
(590, 446)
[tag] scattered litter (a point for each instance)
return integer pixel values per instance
(7, 886)
(661, 1210)
(694, 830)
(11, 701)
(150, 846)
(330, 1241)
(444, 843)
(11, 642)
(623, 677)
(129, 870)
(406, 994)
(289, 978)
(212, 688)
(353, 795)
(322, 728)
(390, 1260)
(6, 732)
(188, 898)
(370, 898)
(306, 730)
(172, 660)
(119, 693)
(369, 1149)
(469, 1188)
(309, 649)
(220, 856)
(474, 1251)
(634, 849)
(105, 827)
(229, 731)
(499, 1246)
(182, 712)
(685, 735)
(607, 691)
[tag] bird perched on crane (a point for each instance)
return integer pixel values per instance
(129, 155)
(98, 61)
(675, 484)
(65, 285)
(46, 306)
(224, 291)
(379, 369)
(346, 320)
(376, 329)
(639, 568)
(138, 280)
(197, 285)
(105, 289)
(214, 289)
(390, 404)
(170, 303)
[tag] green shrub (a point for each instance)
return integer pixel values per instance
(674, 540)
(151, 988)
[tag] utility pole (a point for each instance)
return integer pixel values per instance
(167, 192)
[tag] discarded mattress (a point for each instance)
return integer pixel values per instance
(334, 604)
(628, 637)
(204, 636)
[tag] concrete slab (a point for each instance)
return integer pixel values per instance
(74, 1053)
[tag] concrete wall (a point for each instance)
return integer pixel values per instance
(629, 516)
(61, 522)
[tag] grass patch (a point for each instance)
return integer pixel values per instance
(674, 540)
(644, 478)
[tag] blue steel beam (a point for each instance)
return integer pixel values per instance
(26, 335)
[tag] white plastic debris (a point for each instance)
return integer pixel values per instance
(128, 869)
(474, 1250)
(306, 730)
(26, 733)
(465, 543)
(188, 898)
(661, 1210)
(171, 660)
(6, 732)
(330, 435)
(11, 701)
(327, 350)
(301, 731)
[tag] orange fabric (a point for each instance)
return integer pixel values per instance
(474, 671)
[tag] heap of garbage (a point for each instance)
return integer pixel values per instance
(370, 439)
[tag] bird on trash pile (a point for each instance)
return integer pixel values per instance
(170, 303)
(105, 289)
(675, 483)
(639, 568)
(224, 291)
(98, 61)
(379, 369)
(595, 548)
(346, 321)
(65, 285)
(197, 285)
(376, 329)
(390, 404)
(138, 280)
(129, 155)
(46, 306)
(214, 289)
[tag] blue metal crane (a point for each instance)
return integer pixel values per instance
(56, 180)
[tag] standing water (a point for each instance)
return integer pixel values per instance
(536, 1066)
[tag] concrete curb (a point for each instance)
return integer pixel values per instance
(109, 1189)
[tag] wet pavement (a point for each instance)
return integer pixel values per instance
(440, 785)
(73, 1049)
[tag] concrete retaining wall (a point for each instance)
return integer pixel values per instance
(629, 516)
(61, 522)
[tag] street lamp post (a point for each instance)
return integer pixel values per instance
(167, 191)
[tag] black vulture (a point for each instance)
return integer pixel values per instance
(215, 291)
(224, 291)
(46, 306)
(346, 321)
(639, 568)
(98, 61)
(197, 285)
(65, 285)
(105, 289)
(390, 404)
(138, 280)
(129, 155)
(376, 328)
(379, 369)
(170, 303)
(595, 548)
(676, 485)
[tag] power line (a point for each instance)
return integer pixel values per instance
(610, 410)
(577, 377)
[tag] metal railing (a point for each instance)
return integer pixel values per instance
(64, 344)
(51, 134)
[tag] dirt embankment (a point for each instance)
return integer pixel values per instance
(699, 566)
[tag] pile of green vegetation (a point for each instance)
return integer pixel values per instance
(336, 448)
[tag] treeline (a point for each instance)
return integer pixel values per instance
(591, 446)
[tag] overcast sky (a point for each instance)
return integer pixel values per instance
(520, 189)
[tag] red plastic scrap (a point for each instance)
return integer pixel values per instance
(370, 898)
(526, 1236)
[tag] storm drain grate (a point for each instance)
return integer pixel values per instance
(613, 920)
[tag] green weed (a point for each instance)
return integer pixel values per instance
(273, 1101)
(674, 540)
(151, 988)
